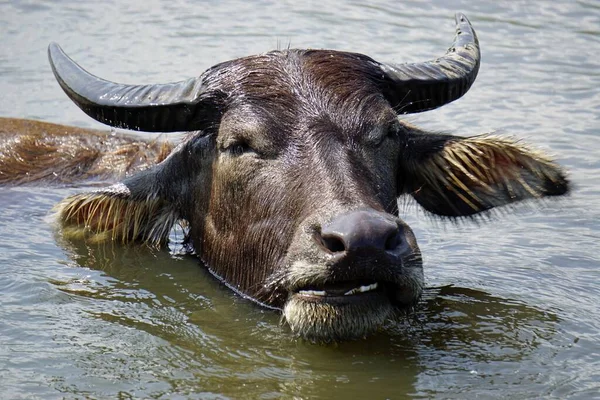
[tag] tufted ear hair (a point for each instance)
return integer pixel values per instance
(142, 208)
(124, 212)
(453, 176)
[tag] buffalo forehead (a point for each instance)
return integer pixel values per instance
(283, 90)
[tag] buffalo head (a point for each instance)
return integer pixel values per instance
(289, 176)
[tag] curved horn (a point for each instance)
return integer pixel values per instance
(417, 87)
(170, 107)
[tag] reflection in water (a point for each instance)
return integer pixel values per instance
(188, 326)
(460, 318)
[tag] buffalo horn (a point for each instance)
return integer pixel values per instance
(417, 87)
(170, 107)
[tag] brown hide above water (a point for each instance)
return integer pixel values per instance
(288, 177)
(33, 151)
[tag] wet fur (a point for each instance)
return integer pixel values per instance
(111, 215)
(471, 175)
(320, 322)
(36, 151)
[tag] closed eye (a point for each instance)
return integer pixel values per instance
(393, 132)
(238, 148)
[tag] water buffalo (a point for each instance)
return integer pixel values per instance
(288, 177)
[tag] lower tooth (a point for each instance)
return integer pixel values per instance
(312, 292)
(361, 289)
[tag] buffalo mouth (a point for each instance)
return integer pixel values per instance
(342, 292)
(337, 311)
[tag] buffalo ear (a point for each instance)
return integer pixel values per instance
(452, 176)
(117, 213)
(142, 208)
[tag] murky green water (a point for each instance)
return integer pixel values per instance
(512, 308)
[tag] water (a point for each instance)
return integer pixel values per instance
(511, 309)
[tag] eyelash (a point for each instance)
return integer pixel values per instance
(237, 149)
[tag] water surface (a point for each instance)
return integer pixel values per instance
(511, 309)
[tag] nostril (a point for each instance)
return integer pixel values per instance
(393, 241)
(333, 243)
(330, 242)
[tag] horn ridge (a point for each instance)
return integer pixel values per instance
(417, 87)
